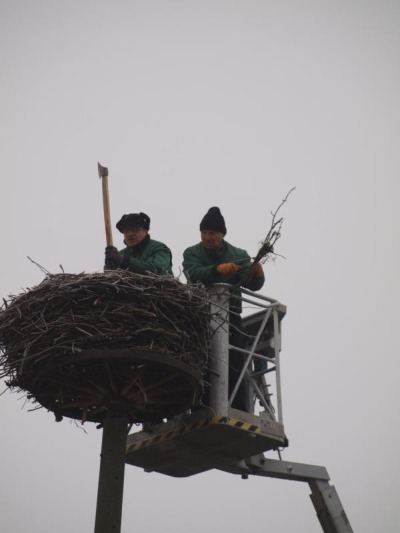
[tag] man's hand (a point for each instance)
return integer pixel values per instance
(256, 270)
(113, 258)
(227, 269)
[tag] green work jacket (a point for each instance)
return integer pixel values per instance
(147, 256)
(199, 266)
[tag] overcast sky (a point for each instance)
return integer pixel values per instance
(230, 103)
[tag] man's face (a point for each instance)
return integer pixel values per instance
(211, 239)
(134, 236)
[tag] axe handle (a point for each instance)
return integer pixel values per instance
(106, 207)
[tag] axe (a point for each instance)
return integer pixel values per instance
(103, 175)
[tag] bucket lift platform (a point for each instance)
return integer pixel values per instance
(221, 436)
(202, 441)
(233, 441)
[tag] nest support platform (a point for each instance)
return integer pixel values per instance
(152, 384)
(202, 441)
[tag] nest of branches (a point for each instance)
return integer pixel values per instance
(77, 341)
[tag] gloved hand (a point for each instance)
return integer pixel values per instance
(227, 269)
(108, 265)
(113, 257)
(257, 270)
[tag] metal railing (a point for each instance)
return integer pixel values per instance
(260, 347)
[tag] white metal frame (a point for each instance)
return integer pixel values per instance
(220, 295)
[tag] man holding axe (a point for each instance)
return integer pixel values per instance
(142, 254)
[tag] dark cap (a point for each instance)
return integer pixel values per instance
(133, 220)
(213, 221)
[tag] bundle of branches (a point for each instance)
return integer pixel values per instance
(266, 250)
(68, 316)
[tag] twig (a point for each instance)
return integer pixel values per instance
(40, 266)
(267, 247)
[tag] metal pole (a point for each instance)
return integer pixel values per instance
(112, 469)
(277, 349)
(219, 360)
(329, 508)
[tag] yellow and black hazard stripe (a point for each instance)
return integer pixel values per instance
(186, 428)
(238, 424)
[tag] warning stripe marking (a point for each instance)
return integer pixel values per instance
(186, 428)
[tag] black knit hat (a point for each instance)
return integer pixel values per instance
(213, 220)
(133, 220)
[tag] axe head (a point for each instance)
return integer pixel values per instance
(103, 171)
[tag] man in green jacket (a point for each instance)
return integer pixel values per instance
(142, 254)
(214, 260)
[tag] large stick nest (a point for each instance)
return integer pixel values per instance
(76, 341)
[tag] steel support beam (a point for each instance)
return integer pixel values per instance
(329, 508)
(112, 469)
(330, 511)
(261, 466)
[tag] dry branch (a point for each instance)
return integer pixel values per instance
(266, 250)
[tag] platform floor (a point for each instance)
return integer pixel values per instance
(202, 441)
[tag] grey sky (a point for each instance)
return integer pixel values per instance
(192, 104)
